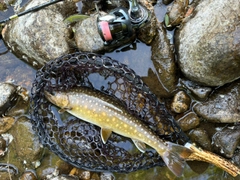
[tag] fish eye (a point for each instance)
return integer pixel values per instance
(53, 93)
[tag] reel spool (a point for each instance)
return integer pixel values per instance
(115, 26)
(120, 23)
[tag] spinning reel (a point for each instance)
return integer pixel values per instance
(120, 23)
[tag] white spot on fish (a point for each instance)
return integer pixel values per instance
(221, 151)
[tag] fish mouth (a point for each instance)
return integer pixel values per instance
(50, 95)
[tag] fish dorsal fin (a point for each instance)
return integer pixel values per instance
(140, 145)
(105, 134)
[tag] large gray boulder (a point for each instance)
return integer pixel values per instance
(208, 44)
(39, 36)
(223, 106)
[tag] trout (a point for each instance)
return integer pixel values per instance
(111, 116)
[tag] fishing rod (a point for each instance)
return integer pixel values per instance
(35, 8)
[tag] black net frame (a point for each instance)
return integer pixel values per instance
(78, 142)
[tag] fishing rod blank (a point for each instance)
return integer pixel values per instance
(36, 8)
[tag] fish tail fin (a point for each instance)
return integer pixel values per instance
(174, 157)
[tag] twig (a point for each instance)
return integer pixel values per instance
(202, 155)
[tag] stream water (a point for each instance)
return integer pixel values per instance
(13, 69)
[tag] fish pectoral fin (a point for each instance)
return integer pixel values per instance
(140, 145)
(105, 134)
(175, 156)
(62, 110)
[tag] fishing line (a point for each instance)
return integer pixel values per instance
(35, 8)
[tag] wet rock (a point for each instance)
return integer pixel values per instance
(47, 172)
(7, 96)
(55, 175)
(29, 175)
(16, 164)
(82, 174)
(188, 121)
(95, 176)
(23, 92)
(3, 146)
(163, 61)
(223, 106)
(87, 36)
(3, 5)
(166, 2)
(14, 101)
(208, 48)
(181, 102)
(103, 5)
(26, 143)
(201, 138)
(64, 177)
(51, 173)
(200, 92)
(7, 137)
(22, 104)
(176, 13)
(236, 157)
(63, 167)
(6, 123)
(40, 36)
(5, 140)
(225, 141)
(147, 33)
(87, 6)
(66, 8)
(52, 166)
(8, 171)
(107, 176)
(115, 4)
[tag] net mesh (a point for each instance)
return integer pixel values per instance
(78, 142)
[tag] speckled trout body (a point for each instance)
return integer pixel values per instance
(104, 111)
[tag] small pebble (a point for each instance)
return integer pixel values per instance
(236, 157)
(95, 176)
(6, 123)
(29, 175)
(226, 141)
(82, 174)
(3, 146)
(181, 102)
(200, 92)
(85, 175)
(7, 96)
(201, 138)
(166, 2)
(107, 176)
(188, 121)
